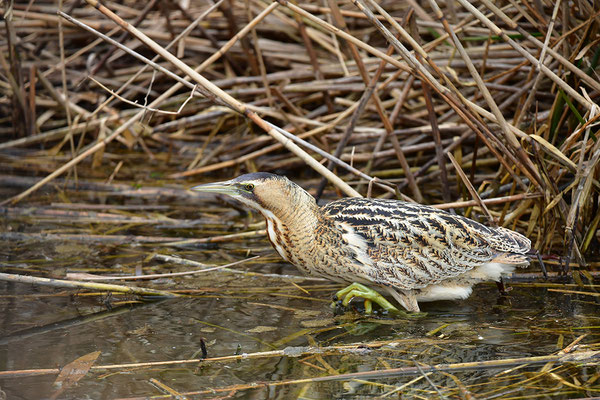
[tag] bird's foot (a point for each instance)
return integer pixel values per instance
(369, 295)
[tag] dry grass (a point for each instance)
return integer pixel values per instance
(488, 104)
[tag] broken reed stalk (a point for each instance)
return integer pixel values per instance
(230, 101)
(471, 189)
(204, 268)
(222, 97)
(61, 283)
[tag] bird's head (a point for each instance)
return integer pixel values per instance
(262, 191)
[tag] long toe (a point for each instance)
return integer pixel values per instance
(369, 295)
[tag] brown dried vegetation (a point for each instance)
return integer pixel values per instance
(486, 106)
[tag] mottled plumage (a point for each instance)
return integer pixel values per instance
(415, 252)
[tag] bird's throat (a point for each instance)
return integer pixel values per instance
(291, 229)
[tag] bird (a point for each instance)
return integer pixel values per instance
(412, 252)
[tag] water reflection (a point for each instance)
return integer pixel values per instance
(254, 316)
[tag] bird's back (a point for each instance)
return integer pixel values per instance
(411, 246)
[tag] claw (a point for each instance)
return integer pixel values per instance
(369, 295)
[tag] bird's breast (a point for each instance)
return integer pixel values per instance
(316, 249)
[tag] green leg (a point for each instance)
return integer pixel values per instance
(369, 295)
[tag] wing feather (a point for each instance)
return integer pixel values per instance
(412, 246)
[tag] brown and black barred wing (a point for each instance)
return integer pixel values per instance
(412, 246)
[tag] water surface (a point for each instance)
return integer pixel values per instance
(246, 314)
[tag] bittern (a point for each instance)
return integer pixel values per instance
(413, 252)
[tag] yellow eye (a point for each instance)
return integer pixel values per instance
(248, 187)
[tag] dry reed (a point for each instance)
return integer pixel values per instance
(487, 107)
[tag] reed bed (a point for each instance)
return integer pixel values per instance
(487, 107)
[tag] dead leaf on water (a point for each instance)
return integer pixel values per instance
(71, 373)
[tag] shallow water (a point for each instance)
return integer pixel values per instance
(240, 314)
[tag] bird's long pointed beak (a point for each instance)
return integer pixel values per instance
(225, 187)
